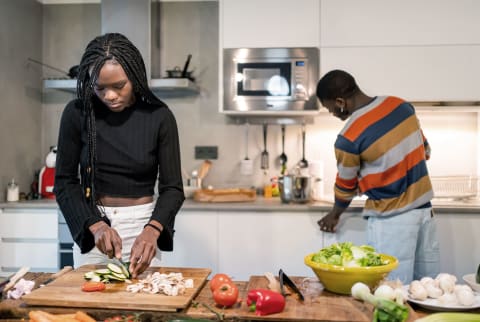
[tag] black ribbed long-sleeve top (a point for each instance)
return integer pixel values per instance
(134, 147)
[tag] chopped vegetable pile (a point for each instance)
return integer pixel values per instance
(348, 255)
(111, 273)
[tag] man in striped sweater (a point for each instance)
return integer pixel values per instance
(381, 152)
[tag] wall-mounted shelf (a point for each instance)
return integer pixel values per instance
(163, 86)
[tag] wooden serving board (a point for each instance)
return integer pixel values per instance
(225, 195)
(319, 304)
(66, 291)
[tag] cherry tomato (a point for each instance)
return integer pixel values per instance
(93, 286)
(226, 294)
(218, 279)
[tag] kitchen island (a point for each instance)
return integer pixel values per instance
(319, 305)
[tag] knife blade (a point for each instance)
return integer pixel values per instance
(63, 271)
(285, 280)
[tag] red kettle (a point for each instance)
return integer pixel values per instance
(46, 177)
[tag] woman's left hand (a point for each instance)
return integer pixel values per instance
(144, 250)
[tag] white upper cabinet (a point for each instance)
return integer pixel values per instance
(419, 50)
(430, 73)
(269, 23)
(399, 23)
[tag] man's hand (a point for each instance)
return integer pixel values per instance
(329, 222)
(144, 249)
(107, 239)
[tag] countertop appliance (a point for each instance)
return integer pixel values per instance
(270, 81)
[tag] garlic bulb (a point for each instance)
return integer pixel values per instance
(446, 282)
(465, 296)
(384, 291)
(433, 291)
(418, 291)
(448, 299)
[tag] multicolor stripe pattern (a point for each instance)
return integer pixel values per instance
(382, 152)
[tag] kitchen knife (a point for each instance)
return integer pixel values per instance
(285, 280)
(63, 271)
(18, 275)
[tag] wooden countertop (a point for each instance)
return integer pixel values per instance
(319, 305)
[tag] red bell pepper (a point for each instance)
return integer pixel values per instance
(264, 302)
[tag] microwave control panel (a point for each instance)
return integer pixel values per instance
(300, 79)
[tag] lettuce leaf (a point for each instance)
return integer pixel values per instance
(347, 254)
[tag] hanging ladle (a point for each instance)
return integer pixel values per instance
(283, 156)
(303, 163)
(264, 155)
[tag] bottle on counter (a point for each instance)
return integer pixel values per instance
(13, 192)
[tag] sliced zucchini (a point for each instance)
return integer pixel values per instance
(121, 275)
(112, 277)
(114, 268)
(96, 278)
(89, 275)
(125, 270)
(102, 271)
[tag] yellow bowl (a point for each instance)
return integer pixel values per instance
(340, 279)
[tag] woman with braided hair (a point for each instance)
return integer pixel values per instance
(123, 138)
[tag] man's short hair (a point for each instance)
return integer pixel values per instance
(336, 84)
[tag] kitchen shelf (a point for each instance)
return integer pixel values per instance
(172, 87)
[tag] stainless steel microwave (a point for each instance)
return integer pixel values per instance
(270, 81)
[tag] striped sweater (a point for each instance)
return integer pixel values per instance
(382, 152)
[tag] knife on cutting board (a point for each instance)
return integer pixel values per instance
(285, 280)
(61, 272)
(13, 279)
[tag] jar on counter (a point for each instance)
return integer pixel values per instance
(13, 193)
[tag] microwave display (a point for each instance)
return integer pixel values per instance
(270, 80)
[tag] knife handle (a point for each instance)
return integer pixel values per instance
(64, 270)
(18, 275)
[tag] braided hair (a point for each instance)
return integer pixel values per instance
(110, 46)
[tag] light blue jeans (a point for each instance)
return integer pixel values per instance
(411, 237)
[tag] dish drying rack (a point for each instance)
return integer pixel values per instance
(455, 187)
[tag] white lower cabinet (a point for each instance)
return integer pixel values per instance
(253, 243)
(459, 238)
(195, 242)
(28, 237)
(352, 228)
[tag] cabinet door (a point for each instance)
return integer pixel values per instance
(346, 23)
(29, 237)
(269, 23)
(434, 73)
(253, 243)
(195, 242)
(351, 228)
(459, 237)
(39, 255)
(28, 223)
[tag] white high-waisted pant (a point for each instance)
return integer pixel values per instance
(128, 222)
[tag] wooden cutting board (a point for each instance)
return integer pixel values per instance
(225, 195)
(66, 291)
(319, 305)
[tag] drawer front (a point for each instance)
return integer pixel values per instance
(29, 224)
(39, 256)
